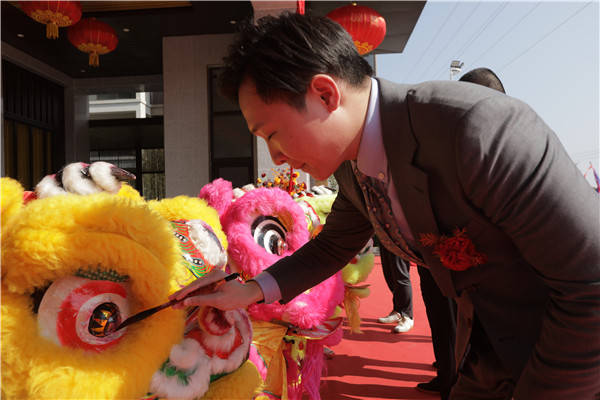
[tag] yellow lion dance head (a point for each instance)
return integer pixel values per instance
(73, 265)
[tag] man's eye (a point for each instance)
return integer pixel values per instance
(270, 136)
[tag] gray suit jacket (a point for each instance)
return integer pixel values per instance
(465, 156)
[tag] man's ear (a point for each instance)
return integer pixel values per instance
(326, 89)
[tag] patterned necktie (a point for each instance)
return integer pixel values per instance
(382, 217)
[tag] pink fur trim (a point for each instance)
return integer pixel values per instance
(218, 194)
(312, 369)
(293, 375)
(313, 366)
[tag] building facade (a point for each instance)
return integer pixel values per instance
(170, 126)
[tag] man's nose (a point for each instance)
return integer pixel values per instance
(277, 157)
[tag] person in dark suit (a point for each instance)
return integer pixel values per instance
(459, 178)
(484, 77)
(396, 273)
(441, 316)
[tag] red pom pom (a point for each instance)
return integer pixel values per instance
(456, 252)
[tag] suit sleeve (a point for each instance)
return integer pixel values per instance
(514, 169)
(346, 232)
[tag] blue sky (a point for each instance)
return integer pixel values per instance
(545, 53)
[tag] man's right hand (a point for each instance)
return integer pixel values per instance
(225, 296)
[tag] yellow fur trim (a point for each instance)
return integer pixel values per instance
(184, 207)
(352, 298)
(356, 273)
(129, 192)
(242, 384)
(353, 274)
(52, 238)
(12, 200)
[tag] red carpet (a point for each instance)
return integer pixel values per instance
(378, 364)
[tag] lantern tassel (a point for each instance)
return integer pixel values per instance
(94, 59)
(51, 30)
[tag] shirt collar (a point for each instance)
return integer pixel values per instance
(371, 159)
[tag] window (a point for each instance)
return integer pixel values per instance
(33, 126)
(121, 158)
(134, 144)
(150, 175)
(153, 173)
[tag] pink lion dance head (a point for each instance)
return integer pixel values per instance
(263, 226)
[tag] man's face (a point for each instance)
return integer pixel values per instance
(305, 139)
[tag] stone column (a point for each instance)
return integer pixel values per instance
(186, 60)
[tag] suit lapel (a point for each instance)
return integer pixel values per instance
(411, 183)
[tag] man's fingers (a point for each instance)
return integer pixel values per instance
(210, 299)
(214, 276)
(225, 296)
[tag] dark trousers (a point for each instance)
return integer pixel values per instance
(441, 313)
(482, 375)
(396, 274)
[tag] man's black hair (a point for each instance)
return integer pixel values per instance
(484, 77)
(282, 54)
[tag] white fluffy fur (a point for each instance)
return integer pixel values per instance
(237, 193)
(190, 355)
(74, 182)
(236, 358)
(212, 250)
(101, 173)
(222, 342)
(320, 189)
(184, 355)
(169, 387)
(48, 187)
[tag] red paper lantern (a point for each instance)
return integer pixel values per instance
(54, 14)
(365, 25)
(93, 37)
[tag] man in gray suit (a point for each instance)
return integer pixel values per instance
(457, 177)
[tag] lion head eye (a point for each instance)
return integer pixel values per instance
(198, 261)
(80, 313)
(104, 320)
(269, 233)
(180, 237)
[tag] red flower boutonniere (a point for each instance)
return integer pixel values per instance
(456, 252)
